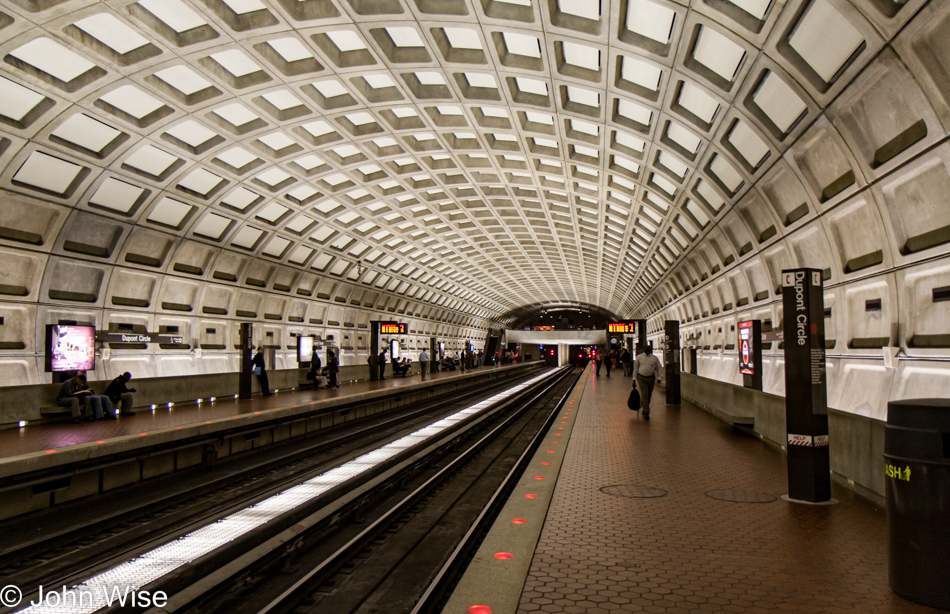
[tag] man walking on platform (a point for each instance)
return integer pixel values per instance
(645, 370)
(423, 363)
(381, 361)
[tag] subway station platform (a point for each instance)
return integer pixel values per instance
(681, 513)
(47, 464)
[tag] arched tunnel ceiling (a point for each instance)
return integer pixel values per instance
(504, 152)
(592, 316)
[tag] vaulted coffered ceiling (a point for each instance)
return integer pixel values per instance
(501, 152)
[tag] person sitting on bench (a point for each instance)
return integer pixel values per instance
(119, 392)
(72, 394)
(97, 406)
(401, 367)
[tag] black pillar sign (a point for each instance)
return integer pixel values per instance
(750, 353)
(374, 351)
(806, 401)
(671, 360)
(247, 370)
(641, 336)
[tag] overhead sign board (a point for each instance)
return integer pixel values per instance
(112, 337)
(392, 328)
(622, 328)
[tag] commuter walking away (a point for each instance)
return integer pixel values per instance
(119, 393)
(645, 370)
(608, 362)
(598, 360)
(260, 370)
(423, 363)
(333, 367)
(381, 362)
(627, 361)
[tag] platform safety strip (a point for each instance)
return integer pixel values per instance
(495, 578)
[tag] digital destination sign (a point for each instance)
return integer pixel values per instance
(622, 327)
(392, 328)
(746, 348)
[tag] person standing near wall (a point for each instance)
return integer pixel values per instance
(423, 363)
(645, 370)
(260, 370)
(333, 367)
(381, 361)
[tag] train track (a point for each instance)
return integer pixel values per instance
(406, 549)
(164, 509)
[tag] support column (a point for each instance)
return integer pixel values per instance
(433, 355)
(641, 336)
(373, 351)
(671, 360)
(806, 401)
(247, 370)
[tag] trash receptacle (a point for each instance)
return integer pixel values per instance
(917, 477)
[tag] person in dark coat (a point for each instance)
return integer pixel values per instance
(260, 369)
(119, 392)
(74, 395)
(333, 367)
(314, 373)
(381, 361)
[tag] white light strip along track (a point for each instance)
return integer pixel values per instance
(91, 595)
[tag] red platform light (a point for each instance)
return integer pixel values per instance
(539, 477)
(531, 496)
(100, 442)
(545, 463)
(504, 556)
(479, 609)
(51, 451)
(519, 520)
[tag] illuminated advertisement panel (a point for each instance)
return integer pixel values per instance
(623, 328)
(70, 347)
(394, 354)
(304, 349)
(392, 328)
(746, 348)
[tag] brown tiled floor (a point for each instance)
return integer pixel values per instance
(685, 551)
(48, 436)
